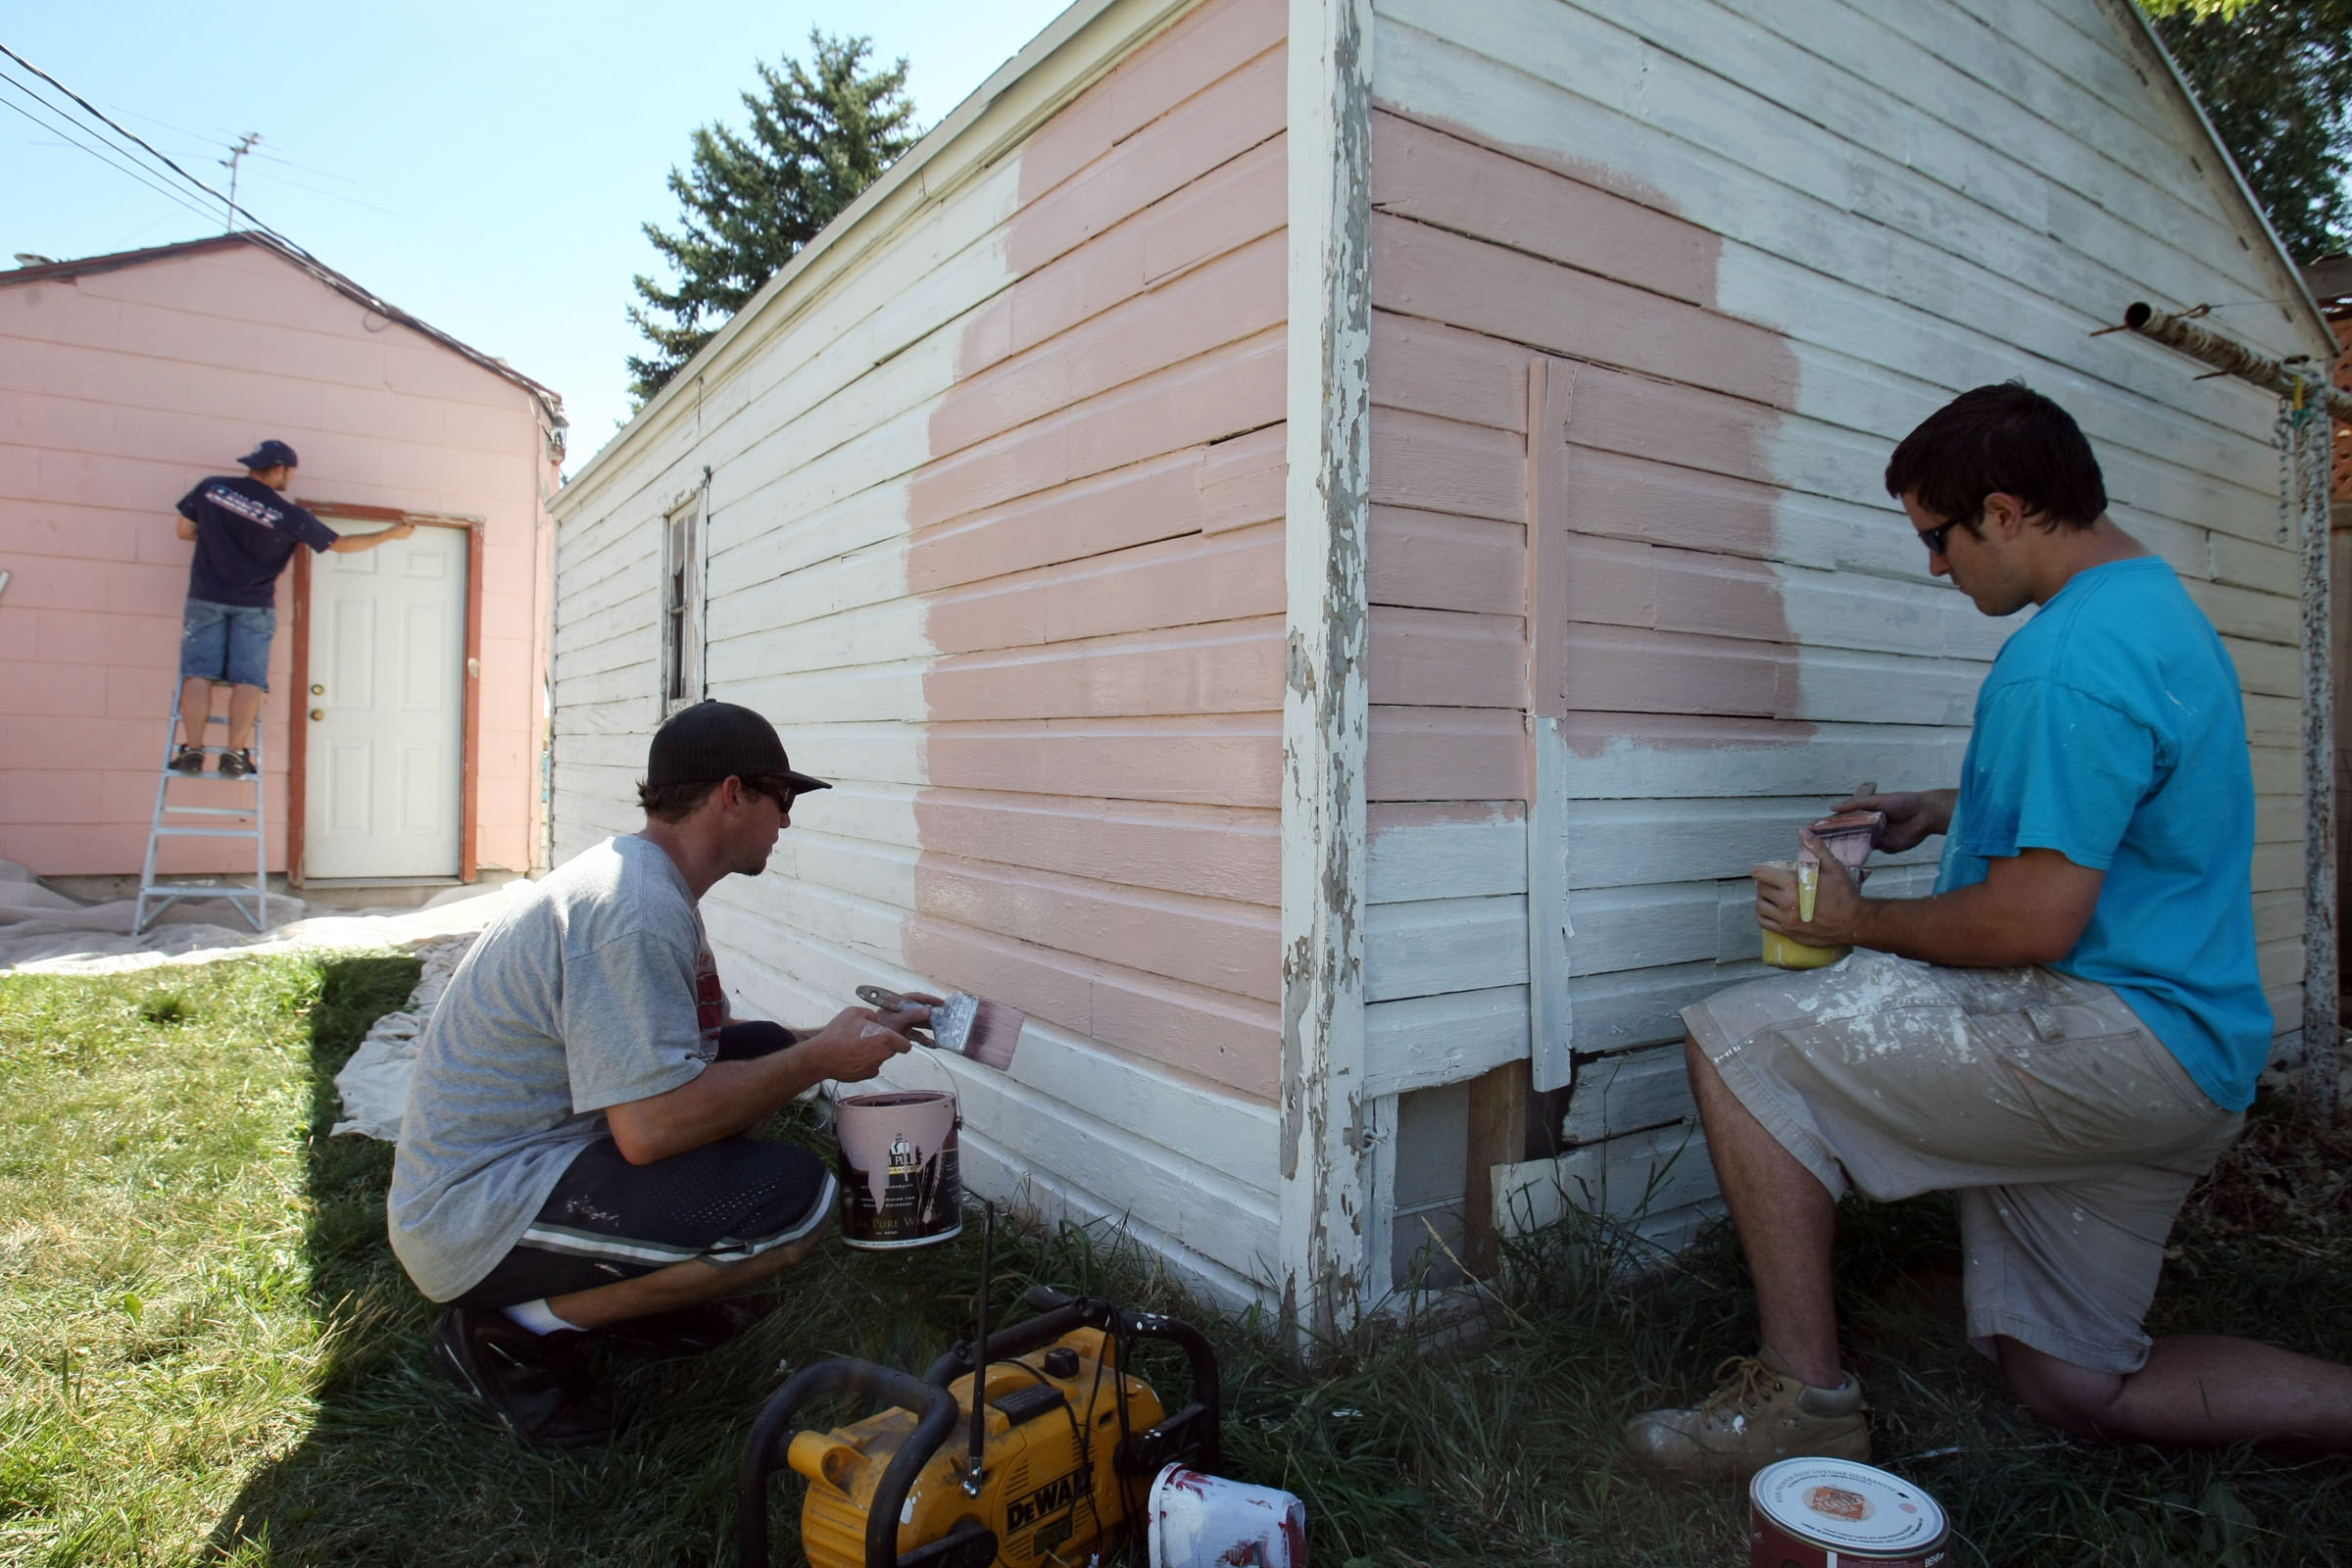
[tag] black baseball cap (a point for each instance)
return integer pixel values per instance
(269, 454)
(711, 740)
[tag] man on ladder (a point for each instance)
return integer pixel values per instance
(245, 531)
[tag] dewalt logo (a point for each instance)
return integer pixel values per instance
(1055, 1496)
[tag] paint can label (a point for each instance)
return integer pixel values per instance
(902, 1181)
(1814, 1512)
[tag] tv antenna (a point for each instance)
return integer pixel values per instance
(236, 155)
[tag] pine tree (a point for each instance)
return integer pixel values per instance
(819, 135)
(2275, 80)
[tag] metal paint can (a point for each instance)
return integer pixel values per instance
(902, 1181)
(1822, 1513)
(1204, 1521)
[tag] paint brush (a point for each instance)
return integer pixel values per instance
(972, 1027)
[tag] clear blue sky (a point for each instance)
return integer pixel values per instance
(485, 165)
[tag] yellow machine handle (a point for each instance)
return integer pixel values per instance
(820, 1456)
(937, 1408)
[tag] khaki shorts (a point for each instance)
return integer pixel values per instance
(2068, 1130)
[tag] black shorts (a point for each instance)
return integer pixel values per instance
(608, 1220)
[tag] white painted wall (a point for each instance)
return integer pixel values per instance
(972, 407)
(1897, 201)
(1909, 199)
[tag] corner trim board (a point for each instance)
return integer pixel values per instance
(1551, 398)
(1329, 1268)
(298, 744)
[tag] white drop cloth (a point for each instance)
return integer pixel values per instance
(374, 1082)
(45, 932)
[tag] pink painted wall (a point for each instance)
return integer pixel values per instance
(1098, 536)
(119, 390)
(1481, 259)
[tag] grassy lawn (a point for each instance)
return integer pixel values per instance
(207, 1353)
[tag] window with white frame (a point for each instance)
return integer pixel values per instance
(681, 669)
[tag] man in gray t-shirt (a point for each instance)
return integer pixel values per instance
(575, 1156)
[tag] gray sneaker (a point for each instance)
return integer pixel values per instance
(1759, 1413)
(235, 765)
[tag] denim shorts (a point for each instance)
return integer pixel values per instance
(226, 642)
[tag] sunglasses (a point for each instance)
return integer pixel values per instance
(775, 789)
(1933, 538)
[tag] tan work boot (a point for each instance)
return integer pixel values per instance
(1759, 1412)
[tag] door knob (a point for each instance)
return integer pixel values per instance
(318, 691)
(318, 714)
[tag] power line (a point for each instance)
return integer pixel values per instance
(274, 179)
(73, 136)
(132, 137)
(104, 154)
(100, 115)
(274, 157)
(258, 155)
(262, 234)
(210, 140)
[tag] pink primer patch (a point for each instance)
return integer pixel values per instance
(1480, 252)
(1097, 537)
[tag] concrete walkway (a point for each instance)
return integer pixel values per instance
(44, 932)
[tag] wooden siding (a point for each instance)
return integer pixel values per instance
(994, 537)
(1768, 239)
(120, 390)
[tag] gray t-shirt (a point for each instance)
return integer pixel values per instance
(596, 989)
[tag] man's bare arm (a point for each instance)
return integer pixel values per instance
(187, 528)
(351, 543)
(1911, 820)
(2032, 907)
(732, 1097)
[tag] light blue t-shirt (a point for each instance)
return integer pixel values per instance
(2111, 729)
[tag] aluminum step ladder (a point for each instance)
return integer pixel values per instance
(253, 903)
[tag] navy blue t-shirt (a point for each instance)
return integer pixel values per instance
(245, 534)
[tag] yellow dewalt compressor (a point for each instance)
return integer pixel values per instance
(1063, 1443)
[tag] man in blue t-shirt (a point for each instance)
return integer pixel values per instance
(245, 533)
(2065, 1034)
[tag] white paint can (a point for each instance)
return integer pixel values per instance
(1204, 1521)
(901, 1174)
(1836, 1513)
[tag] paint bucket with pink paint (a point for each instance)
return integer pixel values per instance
(1205, 1521)
(902, 1181)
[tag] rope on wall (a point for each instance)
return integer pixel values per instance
(2308, 408)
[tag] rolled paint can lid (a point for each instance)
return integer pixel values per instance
(1846, 1513)
(1203, 1521)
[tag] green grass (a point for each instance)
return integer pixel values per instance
(207, 1353)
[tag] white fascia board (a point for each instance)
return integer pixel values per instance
(2298, 291)
(1076, 50)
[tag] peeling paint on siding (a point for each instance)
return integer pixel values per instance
(1325, 1112)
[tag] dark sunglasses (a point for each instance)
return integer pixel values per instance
(775, 789)
(1933, 538)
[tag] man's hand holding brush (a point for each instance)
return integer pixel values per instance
(857, 1043)
(1837, 905)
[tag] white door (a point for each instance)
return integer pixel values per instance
(384, 713)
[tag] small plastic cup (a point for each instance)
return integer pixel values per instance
(1784, 952)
